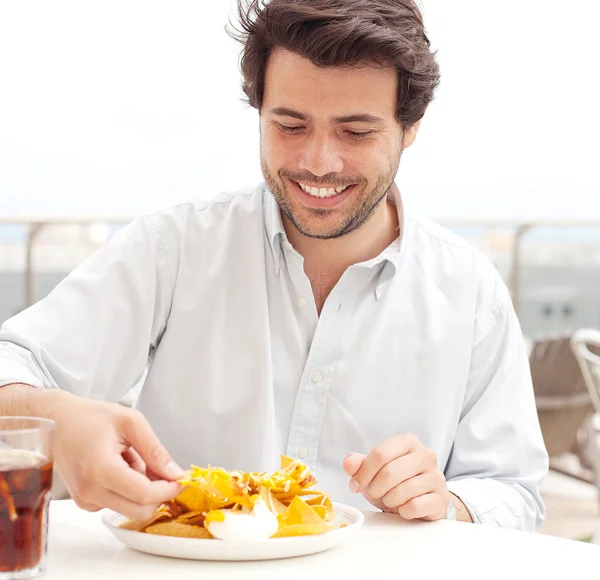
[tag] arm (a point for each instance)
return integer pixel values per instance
(92, 334)
(89, 339)
(499, 457)
(107, 455)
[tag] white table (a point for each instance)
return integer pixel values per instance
(81, 547)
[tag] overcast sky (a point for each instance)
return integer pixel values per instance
(127, 107)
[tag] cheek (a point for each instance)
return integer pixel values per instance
(278, 151)
(369, 162)
(268, 149)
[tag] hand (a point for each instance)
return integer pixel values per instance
(108, 456)
(400, 476)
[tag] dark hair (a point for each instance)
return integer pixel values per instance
(337, 33)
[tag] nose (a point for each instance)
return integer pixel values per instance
(320, 155)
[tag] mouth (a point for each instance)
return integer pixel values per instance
(322, 192)
(322, 196)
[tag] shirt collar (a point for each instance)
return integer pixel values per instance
(276, 232)
(273, 225)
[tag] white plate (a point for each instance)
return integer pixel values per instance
(200, 549)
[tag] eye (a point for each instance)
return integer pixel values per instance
(360, 135)
(289, 130)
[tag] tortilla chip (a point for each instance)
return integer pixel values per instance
(311, 496)
(322, 505)
(301, 530)
(299, 512)
(214, 488)
(274, 505)
(195, 518)
(140, 526)
(193, 499)
(287, 493)
(179, 530)
(321, 511)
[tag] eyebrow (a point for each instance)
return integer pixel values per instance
(357, 118)
(284, 111)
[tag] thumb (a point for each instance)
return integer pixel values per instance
(352, 463)
(142, 438)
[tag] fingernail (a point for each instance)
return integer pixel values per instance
(174, 470)
(354, 486)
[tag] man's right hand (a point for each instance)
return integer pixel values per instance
(108, 456)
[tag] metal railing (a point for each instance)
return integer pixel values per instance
(36, 223)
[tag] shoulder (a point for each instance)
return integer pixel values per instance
(446, 255)
(426, 231)
(247, 200)
(209, 215)
(204, 221)
(441, 249)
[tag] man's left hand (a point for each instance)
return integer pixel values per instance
(401, 476)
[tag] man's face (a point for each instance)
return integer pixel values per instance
(330, 142)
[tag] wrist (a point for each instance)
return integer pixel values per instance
(461, 513)
(49, 404)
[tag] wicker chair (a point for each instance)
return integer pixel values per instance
(560, 370)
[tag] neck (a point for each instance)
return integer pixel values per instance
(364, 243)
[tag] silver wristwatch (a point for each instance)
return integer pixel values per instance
(451, 513)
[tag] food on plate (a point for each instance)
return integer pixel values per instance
(235, 506)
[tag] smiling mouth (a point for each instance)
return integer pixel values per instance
(322, 192)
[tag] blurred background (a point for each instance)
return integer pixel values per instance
(113, 109)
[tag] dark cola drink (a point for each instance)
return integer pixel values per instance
(25, 482)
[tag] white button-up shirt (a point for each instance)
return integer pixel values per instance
(212, 299)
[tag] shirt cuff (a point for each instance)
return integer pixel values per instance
(460, 490)
(16, 371)
(489, 501)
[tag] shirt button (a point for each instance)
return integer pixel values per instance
(303, 453)
(302, 301)
(316, 377)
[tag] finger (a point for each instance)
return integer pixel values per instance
(125, 506)
(140, 436)
(382, 454)
(414, 487)
(352, 463)
(134, 486)
(79, 502)
(88, 507)
(429, 506)
(133, 459)
(152, 476)
(397, 471)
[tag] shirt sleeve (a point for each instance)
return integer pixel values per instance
(499, 458)
(93, 333)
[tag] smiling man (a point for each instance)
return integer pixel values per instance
(330, 149)
(311, 315)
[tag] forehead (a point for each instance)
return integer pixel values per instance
(294, 82)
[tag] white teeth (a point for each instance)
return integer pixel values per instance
(322, 192)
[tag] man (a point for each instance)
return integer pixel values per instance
(310, 316)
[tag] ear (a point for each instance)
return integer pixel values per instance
(411, 133)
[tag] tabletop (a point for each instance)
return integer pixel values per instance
(80, 546)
